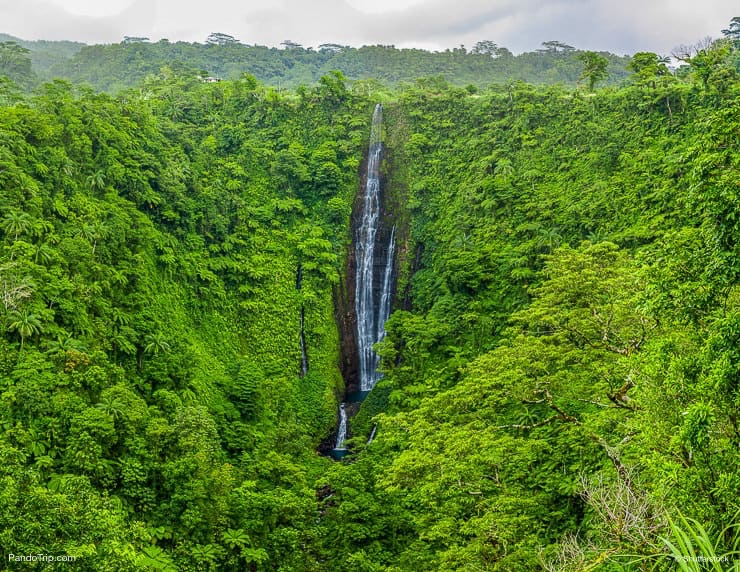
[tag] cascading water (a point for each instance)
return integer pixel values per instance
(384, 308)
(371, 318)
(373, 277)
(302, 340)
(301, 333)
(372, 434)
(342, 431)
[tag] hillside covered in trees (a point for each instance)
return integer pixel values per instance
(118, 66)
(561, 365)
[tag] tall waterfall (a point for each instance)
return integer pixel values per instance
(371, 313)
(374, 258)
(342, 431)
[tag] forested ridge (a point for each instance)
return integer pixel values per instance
(126, 64)
(561, 367)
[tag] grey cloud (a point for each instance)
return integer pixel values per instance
(37, 19)
(312, 24)
(443, 19)
(626, 26)
(622, 27)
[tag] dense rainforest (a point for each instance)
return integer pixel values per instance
(125, 65)
(561, 366)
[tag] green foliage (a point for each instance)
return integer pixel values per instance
(146, 357)
(560, 374)
(561, 381)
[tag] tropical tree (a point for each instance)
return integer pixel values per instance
(156, 343)
(13, 288)
(15, 62)
(648, 67)
(17, 223)
(556, 47)
(25, 323)
(594, 68)
(732, 32)
(43, 253)
(504, 169)
(96, 181)
(235, 538)
(92, 232)
(111, 406)
(220, 39)
(154, 558)
(485, 47)
(712, 67)
(63, 344)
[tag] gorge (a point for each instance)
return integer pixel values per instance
(193, 277)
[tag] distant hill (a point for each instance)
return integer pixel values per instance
(46, 54)
(118, 66)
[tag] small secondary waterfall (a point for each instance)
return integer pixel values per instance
(384, 308)
(342, 432)
(371, 317)
(302, 338)
(372, 434)
(302, 334)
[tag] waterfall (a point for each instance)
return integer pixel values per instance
(375, 245)
(302, 338)
(384, 309)
(301, 334)
(372, 434)
(371, 319)
(342, 431)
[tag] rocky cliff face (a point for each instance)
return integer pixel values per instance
(344, 293)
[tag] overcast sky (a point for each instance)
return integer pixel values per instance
(619, 26)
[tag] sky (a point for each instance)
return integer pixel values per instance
(618, 26)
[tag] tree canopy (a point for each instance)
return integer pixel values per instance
(560, 370)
